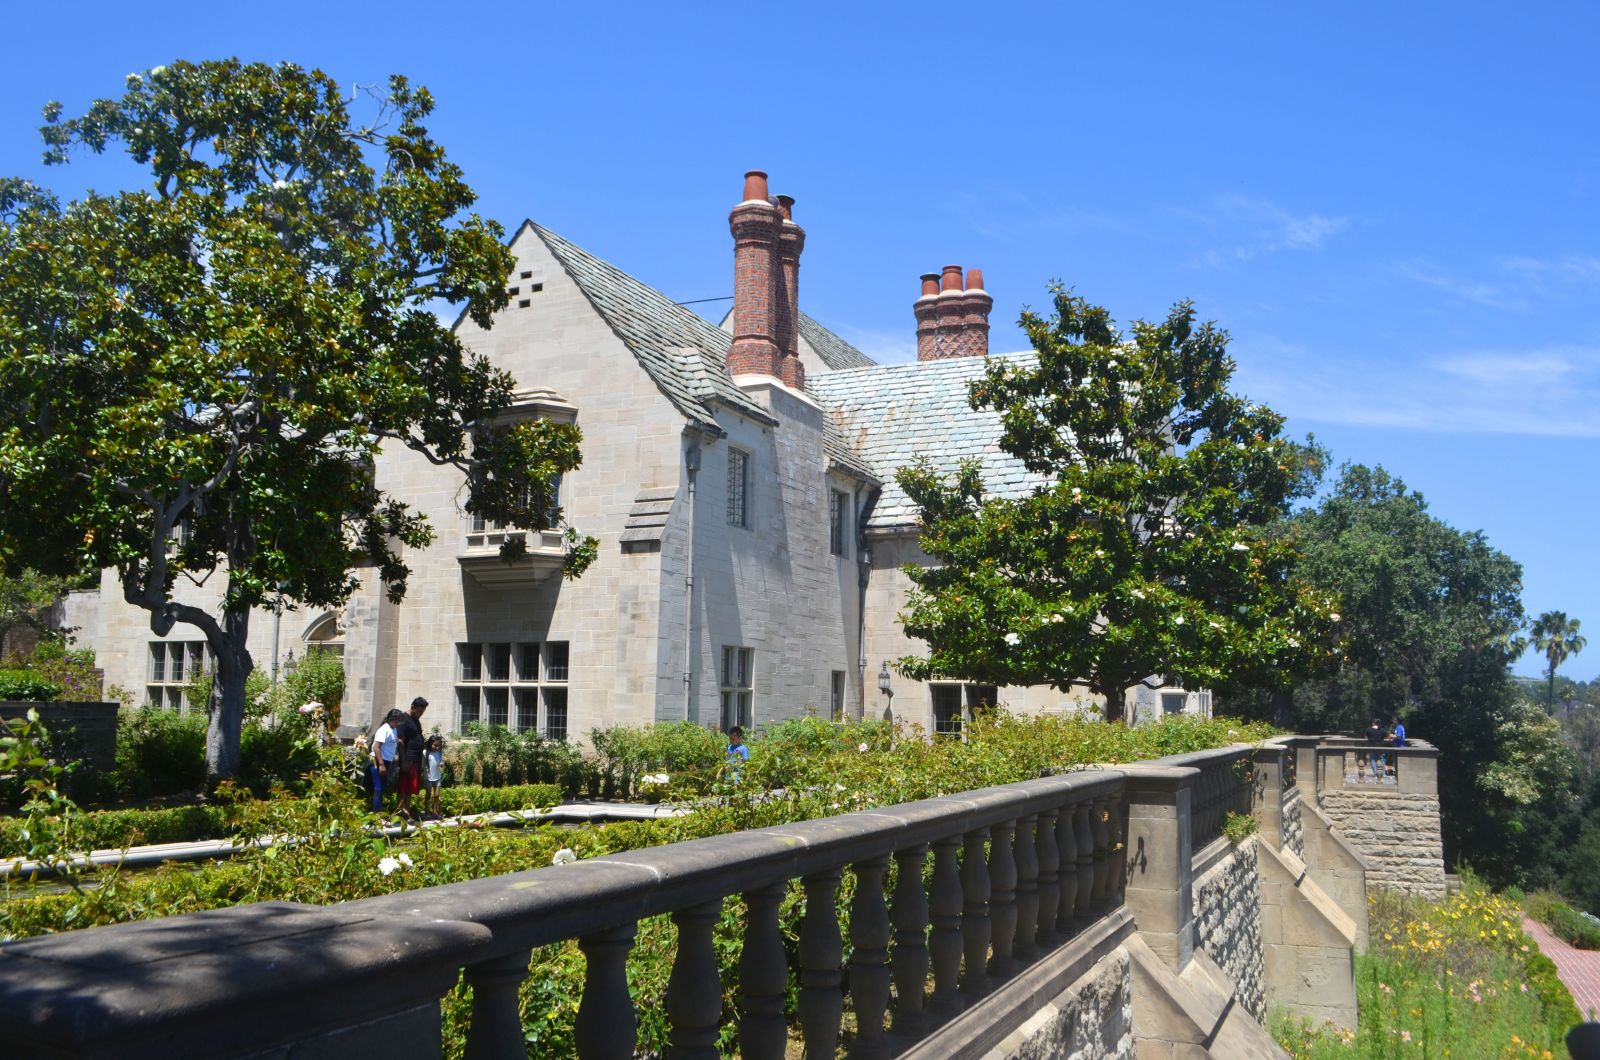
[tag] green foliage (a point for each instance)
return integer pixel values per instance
(634, 760)
(160, 752)
(25, 600)
(1148, 545)
(495, 756)
(27, 685)
(1237, 827)
(1450, 978)
(1565, 922)
(196, 374)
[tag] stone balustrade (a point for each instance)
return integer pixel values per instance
(1098, 912)
(1016, 871)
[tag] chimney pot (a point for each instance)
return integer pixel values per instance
(930, 284)
(786, 206)
(755, 186)
(974, 279)
(951, 280)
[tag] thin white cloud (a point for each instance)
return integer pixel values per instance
(1253, 227)
(1547, 392)
(1516, 283)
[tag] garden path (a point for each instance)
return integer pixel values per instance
(1579, 969)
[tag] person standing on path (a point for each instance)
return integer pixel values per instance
(385, 748)
(411, 741)
(738, 752)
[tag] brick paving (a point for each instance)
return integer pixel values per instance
(1579, 969)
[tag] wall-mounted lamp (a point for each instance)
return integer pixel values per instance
(887, 690)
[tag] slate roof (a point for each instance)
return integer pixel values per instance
(684, 353)
(656, 329)
(836, 353)
(892, 414)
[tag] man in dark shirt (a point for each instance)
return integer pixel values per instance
(411, 741)
(1376, 737)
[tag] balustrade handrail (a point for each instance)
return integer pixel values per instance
(1215, 791)
(539, 906)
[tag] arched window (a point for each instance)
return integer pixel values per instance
(326, 634)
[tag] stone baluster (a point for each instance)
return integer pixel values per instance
(1026, 852)
(606, 1026)
(869, 955)
(1067, 844)
(1049, 858)
(1102, 855)
(974, 916)
(821, 952)
(1002, 900)
(944, 941)
(1083, 832)
(496, 1029)
(694, 992)
(910, 958)
(763, 977)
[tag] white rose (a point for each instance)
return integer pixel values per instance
(564, 856)
(862, 748)
(1178, 621)
(1012, 639)
(388, 865)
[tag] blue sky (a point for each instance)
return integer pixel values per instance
(1390, 206)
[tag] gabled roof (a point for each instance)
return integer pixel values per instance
(684, 353)
(893, 414)
(659, 332)
(836, 353)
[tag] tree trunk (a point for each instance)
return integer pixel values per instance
(1115, 702)
(226, 710)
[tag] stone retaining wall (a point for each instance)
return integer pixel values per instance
(1397, 833)
(1090, 1020)
(1227, 918)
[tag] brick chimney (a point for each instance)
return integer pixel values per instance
(756, 224)
(791, 241)
(926, 307)
(952, 317)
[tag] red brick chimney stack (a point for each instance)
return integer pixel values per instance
(791, 241)
(952, 317)
(974, 341)
(927, 307)
(756, 225)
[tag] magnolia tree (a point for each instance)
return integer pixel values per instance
(196, 374)
(1152, 549)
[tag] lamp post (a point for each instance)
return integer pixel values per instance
(888, 692)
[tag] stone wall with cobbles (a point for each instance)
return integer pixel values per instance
(1227, 916)
(1294, 830)
(1091, 1020)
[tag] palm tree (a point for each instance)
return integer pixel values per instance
(1557, 636)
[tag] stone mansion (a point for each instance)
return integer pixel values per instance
(740, 481)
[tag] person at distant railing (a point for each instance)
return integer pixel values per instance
(1377, 761)
(1399, 731)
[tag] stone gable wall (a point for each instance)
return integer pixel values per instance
(1227, 916)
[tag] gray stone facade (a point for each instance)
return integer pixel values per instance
(1227, 905)
(1090, 1020)
(1294, 829)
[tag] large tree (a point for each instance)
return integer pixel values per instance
(196, 374)
(26, 598)
(1148, 551)
(1557, 637)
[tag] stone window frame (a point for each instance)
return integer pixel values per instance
(162, 688)
(969, 695)
(738, 488)
(518, 685)
(838, 519)
(482, 532)
(737, 688)
(837, 695)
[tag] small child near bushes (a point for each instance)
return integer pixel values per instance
(433, 754)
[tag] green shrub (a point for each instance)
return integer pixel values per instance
(493, 756)
(1237, 827)
(458, 801)
(160, 752)
(1575, 929)
(28, 686)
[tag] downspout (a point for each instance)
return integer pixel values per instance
(691, 466)
(863, 575)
